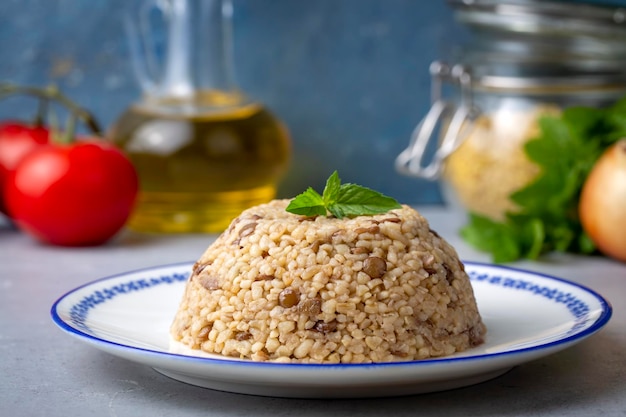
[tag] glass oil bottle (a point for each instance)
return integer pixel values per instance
(203, 150)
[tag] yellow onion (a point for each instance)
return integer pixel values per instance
(602, 206)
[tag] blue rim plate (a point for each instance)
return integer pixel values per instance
(528, 316)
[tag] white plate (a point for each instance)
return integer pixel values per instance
(528, 316)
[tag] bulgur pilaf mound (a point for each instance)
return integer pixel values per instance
(281, 287)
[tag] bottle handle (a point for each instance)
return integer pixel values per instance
(410, 162)
(174, 77)
(142, 46)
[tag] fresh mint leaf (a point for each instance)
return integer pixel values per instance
(355, 200)
(332, 189)
(308, 203)
(341, 200)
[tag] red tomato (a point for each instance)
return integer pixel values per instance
(17, 140)
(72, 195)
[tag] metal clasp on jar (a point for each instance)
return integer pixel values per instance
(460, 115)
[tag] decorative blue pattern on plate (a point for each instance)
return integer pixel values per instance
(79, 311)
(577, 307)
(528, 315)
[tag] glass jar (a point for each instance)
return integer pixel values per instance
(526, 60)
(203, 150)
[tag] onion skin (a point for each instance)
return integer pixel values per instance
(602, 205)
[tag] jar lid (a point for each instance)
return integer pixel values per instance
(522, 43)
(543, 17)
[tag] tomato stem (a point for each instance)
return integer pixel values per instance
(70, 129)
(42, 110)
(52, 93)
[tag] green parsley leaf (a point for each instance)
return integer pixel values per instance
(341, 200)
(499, 239)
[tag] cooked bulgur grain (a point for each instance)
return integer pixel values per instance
(282, 287)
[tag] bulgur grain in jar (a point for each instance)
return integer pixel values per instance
(485, 170)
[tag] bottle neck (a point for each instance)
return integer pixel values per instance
(198, 57)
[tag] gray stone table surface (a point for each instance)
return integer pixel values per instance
(44, 372)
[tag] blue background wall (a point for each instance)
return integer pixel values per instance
(349, 77)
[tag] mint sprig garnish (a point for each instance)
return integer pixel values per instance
(341, 200)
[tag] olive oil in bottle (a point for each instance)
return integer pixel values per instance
(199, 172)
(203, 151)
